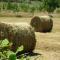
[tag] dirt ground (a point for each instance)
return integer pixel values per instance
(48, 44)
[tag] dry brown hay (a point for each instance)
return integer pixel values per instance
(18, 34)
(14, 14)
(42, 23)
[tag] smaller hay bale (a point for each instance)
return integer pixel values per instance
(18, 34)
(42, 23)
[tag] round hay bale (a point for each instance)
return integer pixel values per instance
(42, 23)
(18, 34)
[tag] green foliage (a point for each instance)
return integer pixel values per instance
(24, 7)
(30, 5)
(19, 49)
(7, 54)
(4, 43)
(50, 5)
(12, 57)
(12, 6)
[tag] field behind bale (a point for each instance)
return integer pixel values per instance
(48, 44)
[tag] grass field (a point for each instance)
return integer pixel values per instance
(48, 44)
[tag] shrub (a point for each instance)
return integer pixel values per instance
(6, 54)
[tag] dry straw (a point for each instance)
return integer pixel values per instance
(42, 23)
(18, 34)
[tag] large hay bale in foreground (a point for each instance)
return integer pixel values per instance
(18, 34)
(42, 23)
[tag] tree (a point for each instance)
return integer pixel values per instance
(50, 5)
